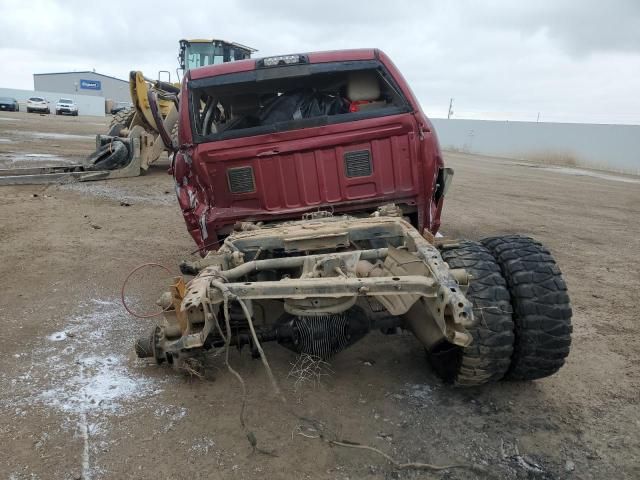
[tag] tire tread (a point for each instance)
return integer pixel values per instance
(488, 358)
(541, 307)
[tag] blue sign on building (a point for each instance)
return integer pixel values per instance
(90, 84)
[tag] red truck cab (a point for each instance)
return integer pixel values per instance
(267, 140)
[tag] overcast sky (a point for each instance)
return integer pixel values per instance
(571, 60)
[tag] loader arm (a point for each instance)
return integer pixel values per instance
(141, 88)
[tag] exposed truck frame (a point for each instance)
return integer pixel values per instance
(375, 287)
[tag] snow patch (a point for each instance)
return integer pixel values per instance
(40, 155)
(34, 157)
(169, 415)
(88, 376)
(57, 336)
(420, 392)
(100, 384)
(418, 395)
(202, 446)
(171, 412)
(49, 135)
(593, 174)
(122, 193)
(83, 368)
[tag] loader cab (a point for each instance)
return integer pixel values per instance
(199, 53)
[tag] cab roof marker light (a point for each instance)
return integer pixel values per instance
(282, 60)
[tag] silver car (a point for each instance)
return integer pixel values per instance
(66, 105)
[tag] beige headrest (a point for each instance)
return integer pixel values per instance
(363, 86)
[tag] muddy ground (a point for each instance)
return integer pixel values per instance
(76, 403)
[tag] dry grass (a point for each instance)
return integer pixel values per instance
(562, 159)
(308, 370)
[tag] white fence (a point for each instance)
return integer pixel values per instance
(87, 104)
(614, 147)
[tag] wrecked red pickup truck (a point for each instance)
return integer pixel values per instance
(313, 185)
(274, 138)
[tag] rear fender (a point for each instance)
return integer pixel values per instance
(192, 198)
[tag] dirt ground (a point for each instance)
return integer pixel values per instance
(76, 403)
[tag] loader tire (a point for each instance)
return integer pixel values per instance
(488, 357)
(120, 120)
(541, 308)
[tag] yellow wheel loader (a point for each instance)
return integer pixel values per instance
(141, 134)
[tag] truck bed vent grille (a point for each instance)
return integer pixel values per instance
(357, 164)
(241, 180)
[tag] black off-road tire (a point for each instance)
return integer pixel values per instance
(488, 358)
(541, 308)
(120, 120)
(111, 156)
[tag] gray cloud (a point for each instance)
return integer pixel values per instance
(571, 60)
(579, 26)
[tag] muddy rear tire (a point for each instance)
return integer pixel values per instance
(541, 308)
(488, 358)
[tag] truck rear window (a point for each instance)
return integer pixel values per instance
(276, 99)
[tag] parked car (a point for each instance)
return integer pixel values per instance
(38, 104)
(119, 106)
(9, 104)
(65, 105)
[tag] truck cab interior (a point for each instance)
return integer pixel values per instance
(337, 92)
